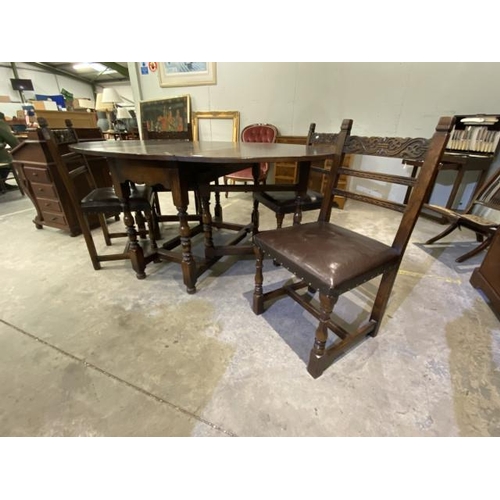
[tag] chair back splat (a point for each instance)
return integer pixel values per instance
(187, 136)
(331, 260)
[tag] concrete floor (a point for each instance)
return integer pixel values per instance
(86, 353)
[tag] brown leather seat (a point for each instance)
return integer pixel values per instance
(345, 258)
(331, 260)
(105, 200)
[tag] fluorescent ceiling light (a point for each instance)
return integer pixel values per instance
(85, 66)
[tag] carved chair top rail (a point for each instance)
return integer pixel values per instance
(392, 147)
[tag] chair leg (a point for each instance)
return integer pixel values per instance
(104, 227)
(447, 231)
(475, 251)
(152, 229)
(217, 207)
(226, 182)
(16, 178)
(382, 298)
(156, 202)
(141, 224)
(87, 235)
(258, 295)
(279, 220)
(316, 365)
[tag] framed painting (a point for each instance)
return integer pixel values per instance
(161, 116)
(185, 74)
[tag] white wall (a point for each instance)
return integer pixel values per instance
(400, 99)
(382, 98)
(43, 83)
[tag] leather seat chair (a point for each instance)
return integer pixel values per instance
(330, 260)
(285, 202)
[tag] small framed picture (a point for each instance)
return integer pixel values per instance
(185, 74)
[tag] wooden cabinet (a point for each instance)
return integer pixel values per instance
(486, 277)
(57, 119)
(286, 172)
(41, 181)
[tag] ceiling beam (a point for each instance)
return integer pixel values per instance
(60, 72)
(118, 68)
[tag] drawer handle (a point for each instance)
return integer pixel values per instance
(34, 174)
(53, 218)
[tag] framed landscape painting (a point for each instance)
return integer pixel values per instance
(185, 74)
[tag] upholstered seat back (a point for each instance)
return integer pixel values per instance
(259, 133)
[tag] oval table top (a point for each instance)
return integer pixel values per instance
(204, 151)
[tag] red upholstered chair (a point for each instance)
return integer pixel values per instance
(257, 132)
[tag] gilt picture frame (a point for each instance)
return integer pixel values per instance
(186, 74)
(232, 116)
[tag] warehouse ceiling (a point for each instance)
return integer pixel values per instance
(94, 73)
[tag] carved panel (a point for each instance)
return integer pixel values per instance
(394, 147)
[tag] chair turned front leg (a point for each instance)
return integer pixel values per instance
(255, 217)
(218, 206)
(135, 250)
(188, 264)
(207, 223)
(152, 225)
(297, 216)
(316, 365)
(140, 220)
(258, 297)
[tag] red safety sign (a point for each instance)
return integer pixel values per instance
(153, 66)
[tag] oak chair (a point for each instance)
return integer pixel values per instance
(185, 135)
(75, 172)
(331, 260)
(256, 132)
(482, 216)
(285, 202)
